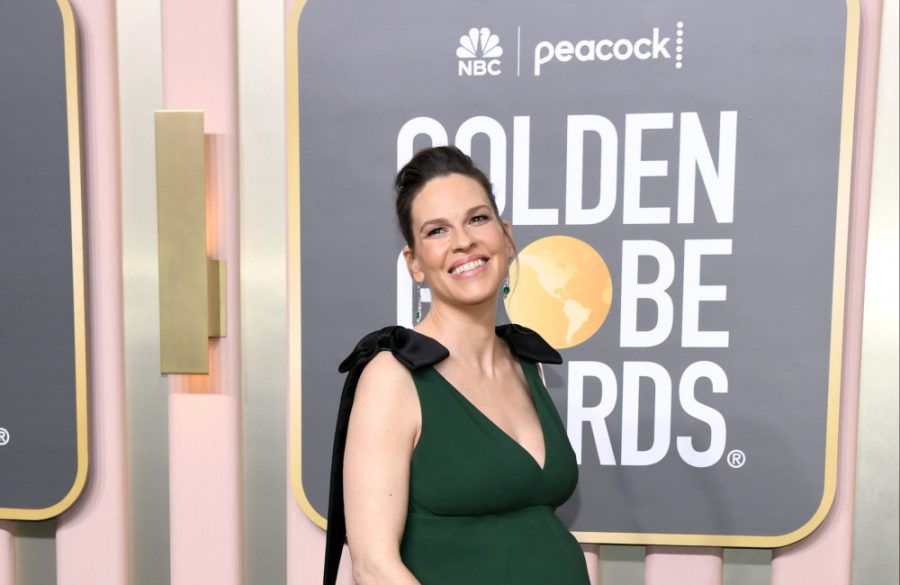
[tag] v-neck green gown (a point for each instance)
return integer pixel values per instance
(481, 509)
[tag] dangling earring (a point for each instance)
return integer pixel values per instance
(505, 289)
(419, 303)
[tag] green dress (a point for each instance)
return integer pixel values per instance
(481, 509)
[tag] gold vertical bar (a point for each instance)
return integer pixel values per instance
(216, 295)
(181, 228)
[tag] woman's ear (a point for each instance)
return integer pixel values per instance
(413, 265)
(511, 244)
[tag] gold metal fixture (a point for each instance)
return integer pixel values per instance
(191, 286)
(215, 287)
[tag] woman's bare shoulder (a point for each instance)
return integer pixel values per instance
(386, 388)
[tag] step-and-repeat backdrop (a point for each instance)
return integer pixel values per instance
(676, 175)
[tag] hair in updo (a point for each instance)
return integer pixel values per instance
(429, 164)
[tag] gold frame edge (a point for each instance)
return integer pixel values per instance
(294, 363)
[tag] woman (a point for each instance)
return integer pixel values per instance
(455, 457)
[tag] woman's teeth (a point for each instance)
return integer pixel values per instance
(468, 266)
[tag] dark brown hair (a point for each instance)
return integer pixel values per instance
(429, 164)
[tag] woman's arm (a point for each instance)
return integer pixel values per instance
(384, 423)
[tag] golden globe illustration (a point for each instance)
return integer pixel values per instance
(561, 288)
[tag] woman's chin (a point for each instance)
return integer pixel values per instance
(473, 301)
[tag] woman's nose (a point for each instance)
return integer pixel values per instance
(461, 239)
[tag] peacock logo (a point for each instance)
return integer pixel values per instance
(479, 53)
(479, 44)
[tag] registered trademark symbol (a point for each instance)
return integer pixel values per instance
(736, 458)
(4, 436)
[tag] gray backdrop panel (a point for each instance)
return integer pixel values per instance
(367, 68)
(37, 352)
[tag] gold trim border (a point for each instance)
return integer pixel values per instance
(294, 361)
(73, 114)
(851, 56)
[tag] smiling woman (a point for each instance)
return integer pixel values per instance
(450, 458)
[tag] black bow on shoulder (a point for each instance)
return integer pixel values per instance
(527, 344)
(415, 351)
(412, 349)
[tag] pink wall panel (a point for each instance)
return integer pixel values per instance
(199, 60)
(204, 502)
(305, 544)
(306, 548)
(683, 565)
(92, 537)
(199, 48)
(7, 554)
(592, 559)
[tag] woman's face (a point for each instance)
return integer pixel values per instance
(462, 249)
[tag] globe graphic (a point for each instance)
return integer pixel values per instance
(561, 288)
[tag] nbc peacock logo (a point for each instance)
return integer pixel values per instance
(479, 53)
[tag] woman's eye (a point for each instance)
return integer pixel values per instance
(434, 232)
(480, 219)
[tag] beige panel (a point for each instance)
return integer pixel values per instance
(36, 553)
(875, 553)
(263, 312)
(140, 94)
(746, 566)
(621, 564)
(181, 226)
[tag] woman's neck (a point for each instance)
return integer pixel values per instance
(468, 333)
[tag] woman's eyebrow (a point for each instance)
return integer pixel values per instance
(444, 220)
(476, 208)
(431, 221)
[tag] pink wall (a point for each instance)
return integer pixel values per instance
(92, 537)
(7, 554)
(204, 490)
(199, 50)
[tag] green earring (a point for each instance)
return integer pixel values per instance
(505, 289)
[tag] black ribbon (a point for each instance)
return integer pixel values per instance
(414, 351)
(527, 344)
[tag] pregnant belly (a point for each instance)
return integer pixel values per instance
(526, 547)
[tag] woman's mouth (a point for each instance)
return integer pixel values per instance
(469, 269)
